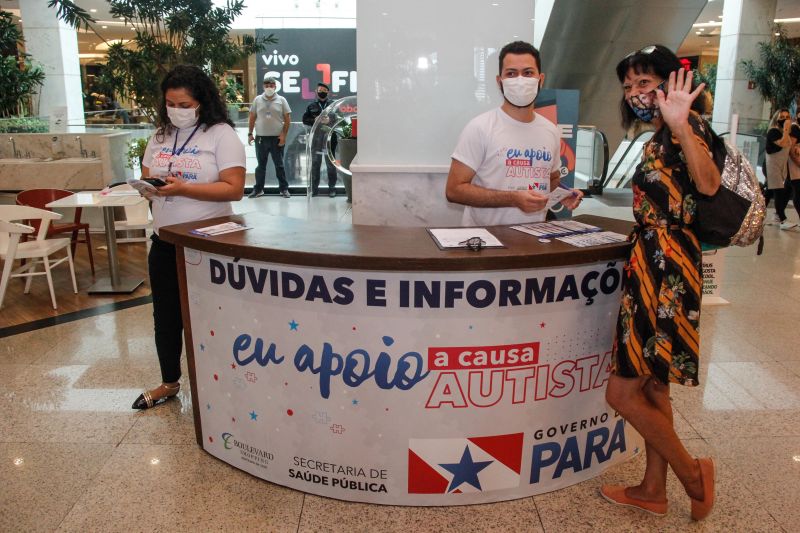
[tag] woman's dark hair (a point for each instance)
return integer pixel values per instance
(658, 60)
(202, 88)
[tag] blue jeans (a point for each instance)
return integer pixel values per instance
(268, 146)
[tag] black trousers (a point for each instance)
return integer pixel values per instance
(167, 318)
(782, 197)
(795, 186)
(268, 146)
(316, 165)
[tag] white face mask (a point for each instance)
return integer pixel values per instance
(269, 91)
(520, 91)
(183, 117)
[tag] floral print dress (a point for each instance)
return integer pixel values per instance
(657, 327)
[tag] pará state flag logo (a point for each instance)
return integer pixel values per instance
(472, 464)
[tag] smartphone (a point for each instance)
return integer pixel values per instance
(155, 182)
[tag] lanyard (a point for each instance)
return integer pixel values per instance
(180, 151)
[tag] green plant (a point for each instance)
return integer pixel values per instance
(347, 131)
(135, 152)
(707, 75)
(231, 90)
(20, 79)
(23, 125)
(776, 75)
(168, 33)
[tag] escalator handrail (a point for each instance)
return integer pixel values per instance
(605, 156)
(624, 155)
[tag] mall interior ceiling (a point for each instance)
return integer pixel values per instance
(703, 39)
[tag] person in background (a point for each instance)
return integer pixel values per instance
(508, 159)
(270, 116)
(657, 341)
(196, 151)
(794, 163)
(314, 110)
(779, 142)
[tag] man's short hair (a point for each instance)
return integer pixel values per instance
(269, 79)
(323, 85)
(520, 47)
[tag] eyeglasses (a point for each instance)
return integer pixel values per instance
(644, 51)
(473, 243)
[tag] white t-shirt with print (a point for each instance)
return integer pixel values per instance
(207, 154)
(508, 155)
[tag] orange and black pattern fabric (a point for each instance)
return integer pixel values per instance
(657, 327)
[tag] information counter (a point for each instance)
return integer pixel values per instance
(365, 364)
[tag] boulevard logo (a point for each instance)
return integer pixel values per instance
(247, 452)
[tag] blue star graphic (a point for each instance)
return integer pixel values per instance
(465, 471)
(202, 347)
(293, 325)
(355, 402)
(253, 415)
(208, 406)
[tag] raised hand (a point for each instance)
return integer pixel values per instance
(675, 105)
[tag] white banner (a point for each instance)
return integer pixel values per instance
(407, 388)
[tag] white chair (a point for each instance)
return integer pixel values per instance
(38, 250)
(137, 217)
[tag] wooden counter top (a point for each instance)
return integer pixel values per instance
(299, 242)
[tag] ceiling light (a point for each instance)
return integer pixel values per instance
(93, 10)
(19, 461)
(708, 42)
(777, 34)
(698, 33)
(719, 16)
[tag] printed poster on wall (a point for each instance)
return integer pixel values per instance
(560, 106)
(407, 388)
(304, 57)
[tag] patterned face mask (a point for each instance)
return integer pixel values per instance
(645, 106)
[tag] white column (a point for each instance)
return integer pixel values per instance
(745, 23)
(53, 45)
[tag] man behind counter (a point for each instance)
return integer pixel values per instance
(508, 159)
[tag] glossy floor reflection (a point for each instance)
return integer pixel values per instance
(74, 457)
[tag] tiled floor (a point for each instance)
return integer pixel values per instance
(74, 457)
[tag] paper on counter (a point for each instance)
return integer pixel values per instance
(555, 228)
(219, 229)
(584, 240)
(455, 237)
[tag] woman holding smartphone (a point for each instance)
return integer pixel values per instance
(197, 154)
(657, 341)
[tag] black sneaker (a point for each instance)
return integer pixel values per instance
(332, 193)
(255, 194)
(286, 194)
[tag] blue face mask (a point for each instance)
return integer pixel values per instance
(645, 106)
